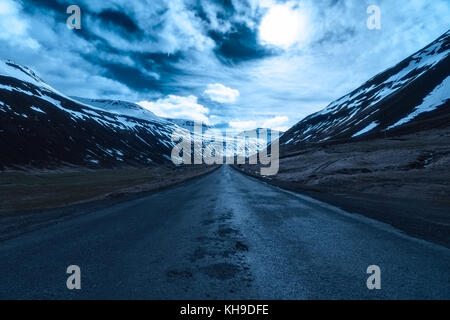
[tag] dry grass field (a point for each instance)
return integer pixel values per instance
(37, 190)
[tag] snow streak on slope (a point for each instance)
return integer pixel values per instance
(10, 69)
(122, 108)
(369, 128)
(390, 100)
(438, 97)
(40, 127)
(239, 144)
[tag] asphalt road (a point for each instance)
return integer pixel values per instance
(222, 236)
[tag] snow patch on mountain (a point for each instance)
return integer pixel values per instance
(369, 128)
(432, 101)
(10, 69)
(415, 86)
(122, 108)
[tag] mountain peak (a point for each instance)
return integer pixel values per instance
(414, 90)
(121, 107)
(9, 68)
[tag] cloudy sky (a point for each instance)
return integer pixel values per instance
(239, 63)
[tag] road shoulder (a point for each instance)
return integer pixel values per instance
(418, 218)
(57, 196)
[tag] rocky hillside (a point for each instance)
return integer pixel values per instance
(41, 127)
(412, 96)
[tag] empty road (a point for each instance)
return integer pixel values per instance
(222, 236)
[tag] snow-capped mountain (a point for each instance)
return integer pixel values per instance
(188, 124)
(264, 134)
(121, 108)
(41, 127)
(413, 95)
(136, 111)
(248, 142)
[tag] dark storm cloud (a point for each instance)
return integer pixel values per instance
(225, 8)
(149, 49)
(57, 9)
(239, 41)
(152, 71)
(149, 71)
(118, 31)
(55, 5)
(238, 45)
(115, 17)
(120, 21)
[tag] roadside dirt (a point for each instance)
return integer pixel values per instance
(35, 199)
(403, 181)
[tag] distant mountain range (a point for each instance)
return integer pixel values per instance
(412, 96)
(42, 128)
(136, 111)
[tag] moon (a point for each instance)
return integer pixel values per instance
(282, 26)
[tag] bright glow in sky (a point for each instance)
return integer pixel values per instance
(234, 63)
(283, 26)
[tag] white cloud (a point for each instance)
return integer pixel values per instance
(243, 125)
(277, 123)
(339, 54)
(178, 27)
(178, 107)
(219, 93)
(14, 28)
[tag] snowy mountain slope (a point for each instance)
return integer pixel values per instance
(187, 124)
(241, 144)
(413, 95)
(121, 108)
(12, 70)
(40, 127)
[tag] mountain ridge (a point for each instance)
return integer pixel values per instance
(378, 106)
(43, 128)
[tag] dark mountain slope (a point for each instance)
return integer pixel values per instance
(412, 96)
(40, 127)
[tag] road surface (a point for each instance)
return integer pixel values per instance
(222, 236)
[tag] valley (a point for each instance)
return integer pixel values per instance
(225, 150)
